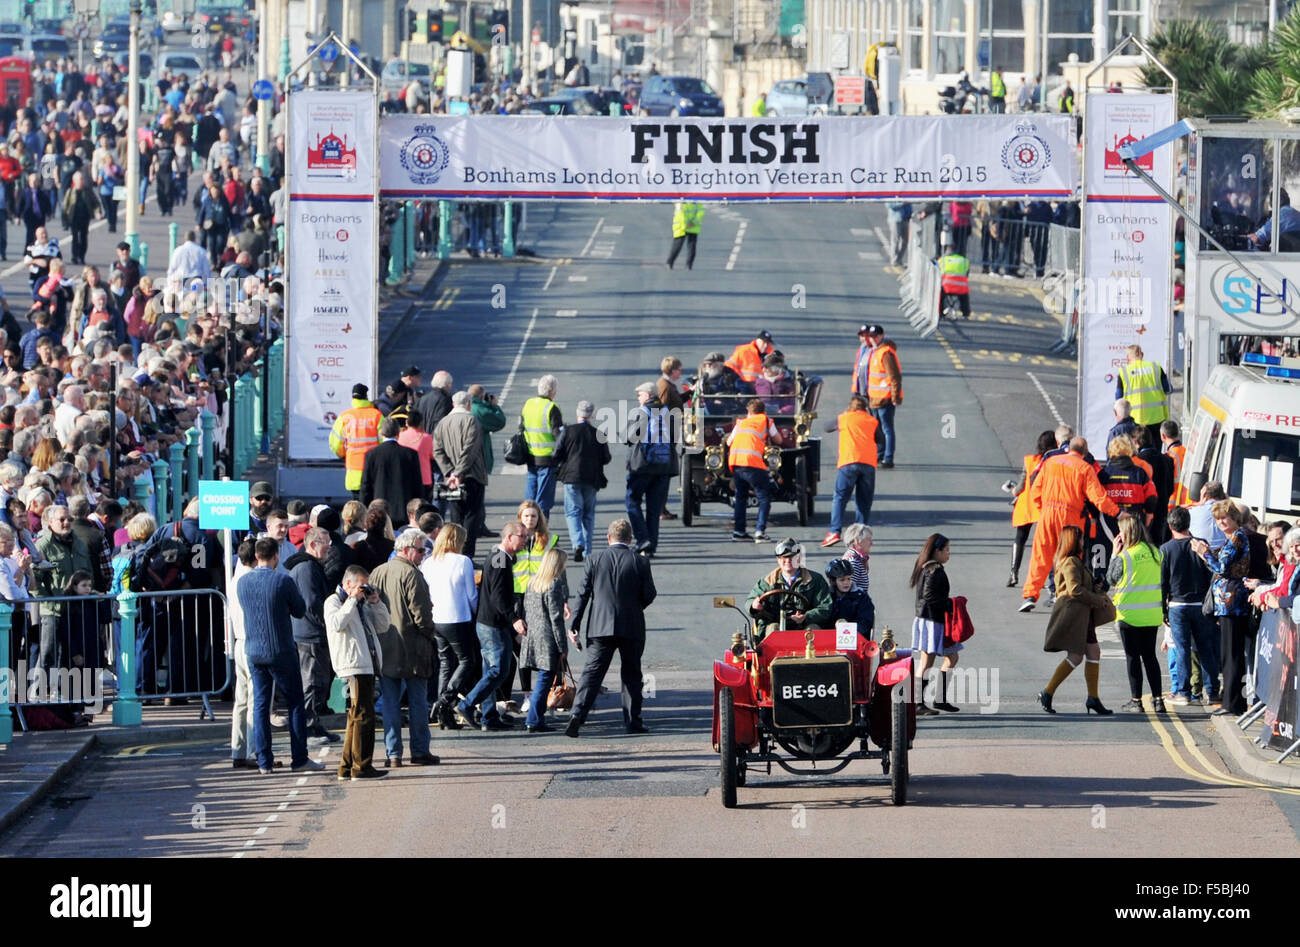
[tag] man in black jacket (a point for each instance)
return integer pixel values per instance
(436, 404)
(581, 455)
(618, 587)
(500, 617)
(308, 574)
(34, 206)
(391, 472)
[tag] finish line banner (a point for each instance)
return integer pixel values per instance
(923, 157)
(331, 324)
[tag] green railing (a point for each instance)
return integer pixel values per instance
(247, 408)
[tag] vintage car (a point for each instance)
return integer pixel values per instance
(794, 461)
(813, 694)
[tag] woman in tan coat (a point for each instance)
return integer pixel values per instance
(1079, 609)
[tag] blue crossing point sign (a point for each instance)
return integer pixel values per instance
(223, 504)
(263, 89)
(328, 52)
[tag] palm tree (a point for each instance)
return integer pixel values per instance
(1215, 75)
(1277, 81)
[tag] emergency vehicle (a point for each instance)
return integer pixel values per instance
(1246, 411)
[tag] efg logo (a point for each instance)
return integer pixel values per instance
(424, 155)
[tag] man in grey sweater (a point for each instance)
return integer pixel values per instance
(458, 449)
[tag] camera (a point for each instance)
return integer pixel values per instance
(443, 492)
(367, 589)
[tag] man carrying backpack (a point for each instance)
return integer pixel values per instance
(651, 465)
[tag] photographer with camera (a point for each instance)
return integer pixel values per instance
(354, 616)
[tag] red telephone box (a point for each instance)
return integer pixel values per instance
(15, 79)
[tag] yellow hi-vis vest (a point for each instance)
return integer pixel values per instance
(953, 272)
(1144, 392)
(1137, 595)
(687, 218)
(997, 87)
(529, 561)
(537, 426)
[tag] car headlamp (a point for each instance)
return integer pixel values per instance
(713, 458)
(773, 457)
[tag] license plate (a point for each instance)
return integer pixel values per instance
(816, 692)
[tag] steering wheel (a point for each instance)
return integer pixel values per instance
(781, 595)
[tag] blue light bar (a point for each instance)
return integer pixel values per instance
(1256, 358)
(1275, 371)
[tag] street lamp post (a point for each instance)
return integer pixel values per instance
(263, 105)
(132, 132)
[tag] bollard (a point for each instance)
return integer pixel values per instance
(127, 711)
(243, 424)
(173, 233)
(508, 240)
(410, 235)
(9, 684)
(275, 355)
(444, 229)
(134, 240)
(176, 483)
(161, 476)
(193, 444)
(208, 422)
(144, 257)
(255, 404)
(397, 248)
(142, 492)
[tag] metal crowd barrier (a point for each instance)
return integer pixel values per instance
(157, 644)
(920, 288)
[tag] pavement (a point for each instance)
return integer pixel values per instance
(597, 308)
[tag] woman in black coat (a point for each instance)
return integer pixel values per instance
(933, 605)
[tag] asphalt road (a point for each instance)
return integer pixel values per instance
(598, 309)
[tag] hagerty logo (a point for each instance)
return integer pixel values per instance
(1026, 155)
(425, 156)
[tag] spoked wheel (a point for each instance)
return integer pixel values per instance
(802, 503)
(730, 764)
(688, 488)
(897, 766)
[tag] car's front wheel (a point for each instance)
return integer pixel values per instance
(730, 764)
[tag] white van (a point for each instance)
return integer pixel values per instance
(1245, 412)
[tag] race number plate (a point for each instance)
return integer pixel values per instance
(812, 692)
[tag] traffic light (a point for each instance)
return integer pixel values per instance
(411, 24)
(499, 26)
(435, 26)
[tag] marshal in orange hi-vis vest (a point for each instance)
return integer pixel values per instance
(749, 437)
(857, 438)
(355, 433)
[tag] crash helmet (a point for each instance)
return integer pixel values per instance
(788, 547)
(838, 569)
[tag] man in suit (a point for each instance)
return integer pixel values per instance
(618, 587)
(33, 206)
(391, 472)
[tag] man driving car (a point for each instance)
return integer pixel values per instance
(790, 575)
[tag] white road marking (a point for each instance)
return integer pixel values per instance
(884, 243)
(260, 831)
(860, 231)
(510, 379)
(282, 806)
(302, 781)
(1043, 391)
(557, 345)
(614, 229)
(549, 279)
(600, 223)
(870, 255)
(294, 792)
(512, 470)
(566, 313)
(735, 248)
(250, 843)
(578, 278)
(272, 817)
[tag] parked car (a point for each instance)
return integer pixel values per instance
(554, 106)
(810, 95)
(123, 61)
(177, 63)
(111, 42)
(598, 98)
(53, 26)
(173, 22)
(679, 95)
(398, 73)
(12, 29)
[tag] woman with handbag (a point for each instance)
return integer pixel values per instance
(455, 597)
(545, 648)
(1229, 601)
(1078, 610)
(1134, 577)
(933, 604)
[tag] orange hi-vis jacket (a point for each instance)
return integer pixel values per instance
(749, 437)
(1025, 510)
(355, 432)
(747, 362)
(857, 438)
(1062, 486)
(1180, 496)
(880, 389)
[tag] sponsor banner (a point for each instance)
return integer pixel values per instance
(331, 321)
(1128, 263)
(714, 159)
(331, 135)
(1275, 676)
(333, 297)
